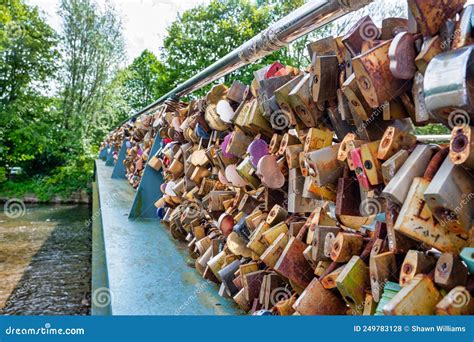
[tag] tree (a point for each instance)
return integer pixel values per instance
(27, 64)
(92, 49)
(144, 80)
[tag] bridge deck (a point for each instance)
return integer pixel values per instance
(148, 271)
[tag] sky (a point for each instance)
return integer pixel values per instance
(145, 21)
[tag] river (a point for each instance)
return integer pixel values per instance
(45, 261)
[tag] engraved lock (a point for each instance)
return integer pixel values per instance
(450, 197)
(431, 47)
(376, 81)
(417, 221)
(463, 29)
(430, 16)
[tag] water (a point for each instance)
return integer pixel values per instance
(45, 261)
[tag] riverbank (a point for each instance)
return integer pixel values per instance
(40, 191)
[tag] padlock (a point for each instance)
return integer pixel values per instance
(430, 48)
(450, 99)
(302, 103)
(316, 300)
(276, 215)
(238, 143)
(237, 92)
(358, 166)
(383, 268)
(271, 234)
(325, 78)
(340, 126)
(422, 116)
(296, 202)
(394, 140)
(397, 189)
(317, 139)
(348, 197)
(461, 148)
(450, 197)
(450, 272)
(246, 170)
(352, 283)
(256, 243)
(346, 245)
(374, 77)
(292, 155)
(402, 56)
(418, 297)
(347, 145)
(458, 301)
(371, 164)
(322, 47)
(322, 241)
(463, 36)
(324, 166)
(281, 97)
(393, 26)
(271, 255)
(416, 262)
(312, 190)
(364, 30)
(416, 219)
(251, 283)
(293, 265)
(394, 109)
(344, 58)
(391, 166)
(431, 15)
(329, 280)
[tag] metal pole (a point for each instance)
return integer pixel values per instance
(305, 19)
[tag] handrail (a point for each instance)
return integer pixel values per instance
(303, 20)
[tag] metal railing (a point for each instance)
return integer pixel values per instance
(307, 18)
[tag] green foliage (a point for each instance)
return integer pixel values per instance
(144, 80)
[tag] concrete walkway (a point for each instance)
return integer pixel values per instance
(148, 271)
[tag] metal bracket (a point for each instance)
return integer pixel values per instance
(149, 189)
(119, 169)
(110, 157)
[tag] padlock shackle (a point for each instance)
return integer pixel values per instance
(435, 163)
(307, 18)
